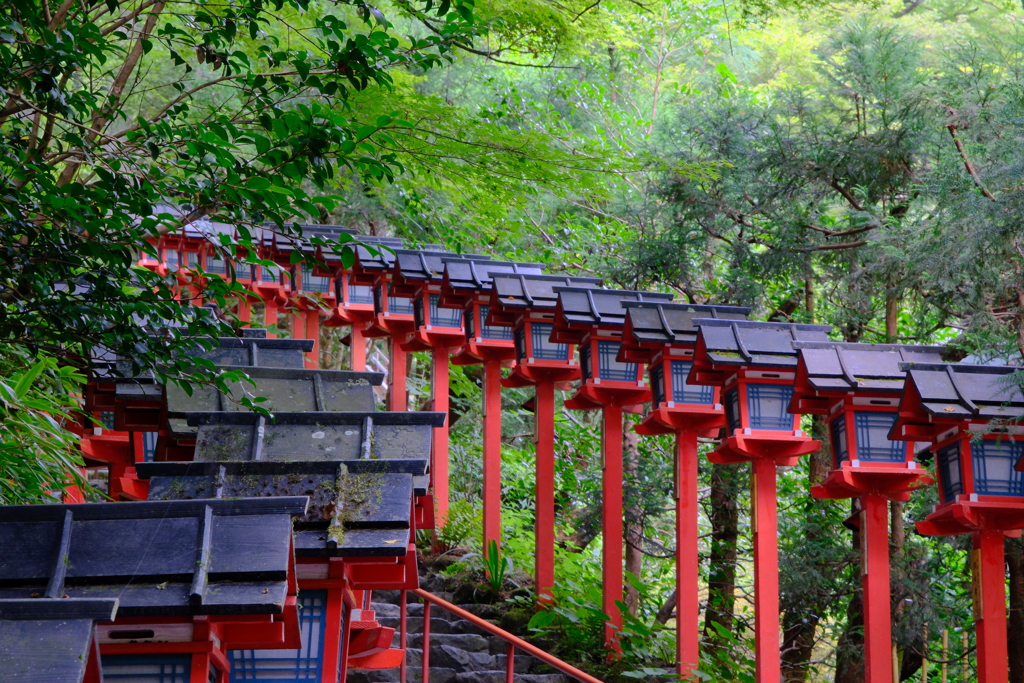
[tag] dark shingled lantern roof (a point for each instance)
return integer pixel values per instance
(725, 345)
(827, 370)
(513, 294)
(649, 326)
(159, 558)
(463, 278)
(579, 309)
(938, 396)
(49, 640)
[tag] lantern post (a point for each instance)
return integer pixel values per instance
(971, 415)
(857, 388)
(754, 363)
(392, 316)
(419, 275)
(663, 336)
(467, 286)
(593, 319)
(526, 303)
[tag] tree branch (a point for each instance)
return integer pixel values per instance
(952, 128)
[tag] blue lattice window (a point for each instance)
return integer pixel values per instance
(732, 410)
(288, 666)
(682, 392)
(543, 348)
(443, 317)
(840, 451)
(171, 258)
(216, 265)
(399, 305)
(360, 294)
(949, 471)
(149, 445)
(314, 283)
(270, 274)
(496, 332)
(611, 369)
(167, 668)
(873, 442)
(107, 418)
(194, 259)
(768, 405)
(993, 462)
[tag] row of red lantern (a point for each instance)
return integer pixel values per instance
(757, 385)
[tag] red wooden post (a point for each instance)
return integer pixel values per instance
(244, 309)
(510, 663)
(357, 345)
(313, 332)
(492, 453)
(611, 522)
(875, 569)
(333, 616)
(687, 557)
(544, 539)
(269, 316)
(200, 672)
(989, 575)
(398, 395)
(439, 465)
(764, 524)
(425, 677)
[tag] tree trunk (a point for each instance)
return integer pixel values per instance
(809, 299)
(1015, 625)
(634, 524)
(850, 648)
(726, 484)
(892, 311)
(668, 608)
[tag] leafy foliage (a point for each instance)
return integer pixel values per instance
(38, 453)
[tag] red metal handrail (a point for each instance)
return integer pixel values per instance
(512, 641)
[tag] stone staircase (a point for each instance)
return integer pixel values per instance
(460, 652)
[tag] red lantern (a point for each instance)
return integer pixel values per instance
(526, 303)
(419, 275)
(858, 386)
(466, 286)
(354, 301)
(593, 319)
(663, 337)
(970, 414)
(755, 365)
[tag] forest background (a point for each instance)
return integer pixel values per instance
(852, 164)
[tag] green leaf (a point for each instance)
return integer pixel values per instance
(258, 183)
(28, 377)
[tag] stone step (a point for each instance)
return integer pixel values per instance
(470, 642)
(499, 677)
(437, 625)
(449, 657)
